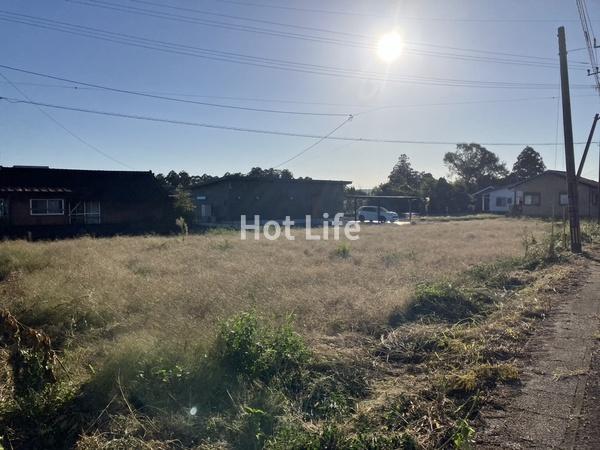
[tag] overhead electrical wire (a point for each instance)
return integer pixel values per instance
(370, 107)
(398, 17)
(271, 63)
(172, 99)
(95, 86)
(330, 31)
(529, 61)
(313, 145)
(64, 128)
(255, 130)
(590, 40)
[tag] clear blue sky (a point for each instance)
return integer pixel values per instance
(510, 26)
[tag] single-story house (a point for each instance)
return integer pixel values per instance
(545, 195)
(227, 199)
(47, 202)
(494, 199)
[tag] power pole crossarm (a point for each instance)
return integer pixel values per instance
(572, 181)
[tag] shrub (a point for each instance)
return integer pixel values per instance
(484, 376)
(444, 301)
(342, 251)
(496, 274)
(259, 352)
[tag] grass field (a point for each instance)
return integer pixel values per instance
(155, 354)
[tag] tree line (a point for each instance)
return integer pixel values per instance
(472, 167)
(183, 180)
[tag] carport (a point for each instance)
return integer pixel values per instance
(377, 200)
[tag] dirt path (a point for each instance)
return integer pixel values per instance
(558, 404)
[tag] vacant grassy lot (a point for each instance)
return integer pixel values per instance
(140, 326)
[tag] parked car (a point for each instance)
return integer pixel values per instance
(370, 213)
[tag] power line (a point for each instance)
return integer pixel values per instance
(301, 102)
(398, 18)
(172, 99)
(530, 60)
(68, 131)
(247, 108)
(324, 30)
(270, 63)
(590, 40)
(310, 147)
(260, 131)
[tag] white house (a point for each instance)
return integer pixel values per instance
(495, 200)
(501, 199)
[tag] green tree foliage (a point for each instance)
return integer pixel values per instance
(184, 205)
(402, 180)
(475, 165)
(529, 164)
(184, 180)
(443, 197)
(257, 172)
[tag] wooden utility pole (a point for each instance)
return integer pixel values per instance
(572, 182)
(598, 193)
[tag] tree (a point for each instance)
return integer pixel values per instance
(172, 179)
(529, 164)
(403, 174)
(402, 180)
(184, 179)
(184, 204)
(475, 165)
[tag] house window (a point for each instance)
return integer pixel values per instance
(85, 212)
(501, 201)
(532, 198)
(563, 199)
(2, 207)
(92, 212)
(47, 207)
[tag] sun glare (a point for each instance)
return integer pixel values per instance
(389, 47)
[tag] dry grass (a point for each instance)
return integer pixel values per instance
(107, 300)
(169, 287)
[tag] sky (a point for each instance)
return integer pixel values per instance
(230, 52)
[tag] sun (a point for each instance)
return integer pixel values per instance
(389, 47)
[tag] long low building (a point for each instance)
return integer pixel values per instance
(226, 199)
(545, 195)
(46, 202)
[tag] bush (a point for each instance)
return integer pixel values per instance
(342, 251)
(259, 352)
(444, 301)
(484, 376)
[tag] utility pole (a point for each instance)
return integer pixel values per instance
(572, 182)
(598, 193)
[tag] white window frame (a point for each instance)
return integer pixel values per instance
(61, 200)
